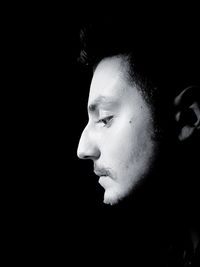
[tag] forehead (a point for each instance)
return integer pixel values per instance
(110, 78)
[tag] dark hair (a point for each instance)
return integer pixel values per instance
(161, 52)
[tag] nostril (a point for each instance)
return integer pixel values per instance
(86, 157)
(90, 155)
(83, 156)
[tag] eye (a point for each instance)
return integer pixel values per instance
(106, 121)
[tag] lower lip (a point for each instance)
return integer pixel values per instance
(105, 181)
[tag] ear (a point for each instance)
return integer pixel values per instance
(187, 105)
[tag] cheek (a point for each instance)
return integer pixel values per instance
(129, 146)
(119, 144)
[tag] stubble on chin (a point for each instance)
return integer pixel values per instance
(112, 197)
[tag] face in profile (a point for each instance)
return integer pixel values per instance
(119, 135)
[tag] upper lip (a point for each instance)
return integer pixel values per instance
(100, 172)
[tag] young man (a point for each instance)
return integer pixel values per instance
(144, 115)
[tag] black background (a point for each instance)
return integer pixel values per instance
(53, 202)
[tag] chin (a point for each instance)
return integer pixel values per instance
(112, 198)
(110, 201)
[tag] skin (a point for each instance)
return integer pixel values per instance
(119, 135)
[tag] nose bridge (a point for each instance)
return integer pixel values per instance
(87, 148)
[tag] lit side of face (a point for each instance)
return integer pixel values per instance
(118, 136)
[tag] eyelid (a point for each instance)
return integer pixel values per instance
(106, 117)
(109, 118)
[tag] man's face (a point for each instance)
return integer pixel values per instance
(119, 135)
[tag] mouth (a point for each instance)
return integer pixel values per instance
(100, 173)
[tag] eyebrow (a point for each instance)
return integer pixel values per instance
(101, 100)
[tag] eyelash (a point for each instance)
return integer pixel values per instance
(106, 121)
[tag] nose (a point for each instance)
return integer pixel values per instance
(87, 148)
